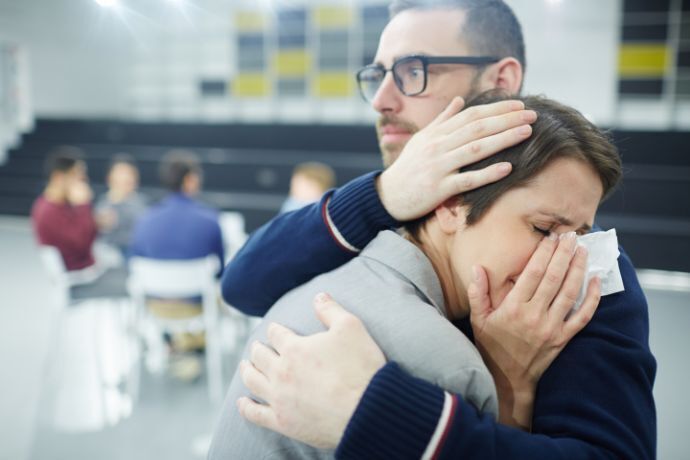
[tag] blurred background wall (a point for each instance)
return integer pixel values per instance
(624, 64)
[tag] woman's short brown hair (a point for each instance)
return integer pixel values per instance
(560, 131)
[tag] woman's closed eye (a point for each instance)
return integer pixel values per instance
(544, 231)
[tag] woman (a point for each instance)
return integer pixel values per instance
(413, 285)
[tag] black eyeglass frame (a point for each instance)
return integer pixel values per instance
(426, 61)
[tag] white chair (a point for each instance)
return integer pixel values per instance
(180, 279)
(92, 373)
(234, 234)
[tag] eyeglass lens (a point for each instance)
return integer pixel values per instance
(409, 75)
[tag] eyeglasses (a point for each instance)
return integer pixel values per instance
(410, 73)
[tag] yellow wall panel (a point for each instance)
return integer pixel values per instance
(249, 21)
(333, 17)
(334, 84)
(251, 85)
(293, 63)
(640, 61)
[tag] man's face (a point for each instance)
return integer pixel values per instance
(435, 32)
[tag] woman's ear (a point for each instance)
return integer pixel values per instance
(451, 215)
(505, 74)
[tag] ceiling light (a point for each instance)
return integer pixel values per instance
(107, 3)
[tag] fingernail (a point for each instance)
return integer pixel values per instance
(322, 297)
(504, 167)
(524, 130)
(568, 236)
(553, 236)
(475, 272)
(517, 105)
(529, 115)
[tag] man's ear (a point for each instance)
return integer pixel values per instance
(506, 74)
(451, 215)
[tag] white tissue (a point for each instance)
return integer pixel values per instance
(602, 261)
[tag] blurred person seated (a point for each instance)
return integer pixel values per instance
(308, 184)
(62, 217)
(179, 228)
(119, 208)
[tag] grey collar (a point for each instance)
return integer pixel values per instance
(408, 260)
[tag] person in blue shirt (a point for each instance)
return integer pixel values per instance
(179, 227)
(333, 389)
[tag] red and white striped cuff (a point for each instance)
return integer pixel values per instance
(333, 230)
(433, 449)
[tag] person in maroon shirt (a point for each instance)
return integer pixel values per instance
(62, 215)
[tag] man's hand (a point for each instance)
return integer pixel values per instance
(79, 193)
(428, 170)
(311, 385)
(519, 339)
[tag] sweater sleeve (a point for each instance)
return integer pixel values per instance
(595, 401)
(296, 246)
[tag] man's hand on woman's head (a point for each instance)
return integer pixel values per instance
(428, 170)
(520, 338)
(311, 385)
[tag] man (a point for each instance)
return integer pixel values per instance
(179, 227)
(595, 401)
(62, 215)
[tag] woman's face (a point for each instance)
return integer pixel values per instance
(562, 198)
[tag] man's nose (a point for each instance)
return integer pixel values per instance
(388, 98)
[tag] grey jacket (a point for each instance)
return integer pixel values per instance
(393, 289)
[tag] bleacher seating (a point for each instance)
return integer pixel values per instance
(247, 168)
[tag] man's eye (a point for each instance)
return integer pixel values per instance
(543, 231)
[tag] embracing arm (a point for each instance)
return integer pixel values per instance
(595, 401)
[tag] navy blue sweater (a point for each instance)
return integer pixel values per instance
(595, 401)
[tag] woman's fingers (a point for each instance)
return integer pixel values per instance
(579, 319)
(556, 272)
(534, 271)
(570, 290)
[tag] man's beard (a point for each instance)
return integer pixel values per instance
(391, 151)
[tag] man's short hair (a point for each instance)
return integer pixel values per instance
(559, 132)
(62, 159)
(175, 166)
(491, 27)
(319, 173)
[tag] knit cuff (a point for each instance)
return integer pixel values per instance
(355, 213)
(399, 416)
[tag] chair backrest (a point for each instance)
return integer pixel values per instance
(54, 266)
(234, 234)
(172, 278)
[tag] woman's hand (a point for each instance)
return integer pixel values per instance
(311, 385)
(520, 338)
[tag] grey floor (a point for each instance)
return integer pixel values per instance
(173, 419)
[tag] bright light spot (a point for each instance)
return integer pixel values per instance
(107, 3)
(553, 2)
